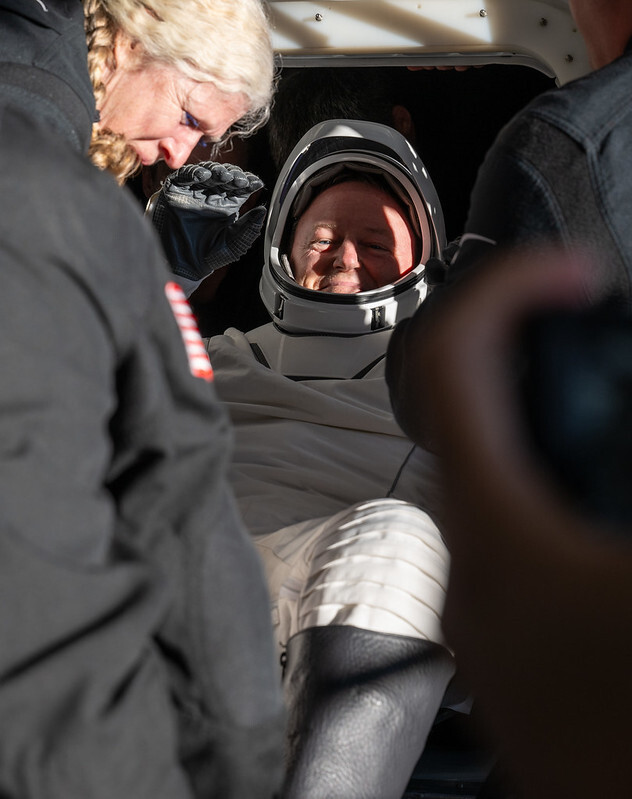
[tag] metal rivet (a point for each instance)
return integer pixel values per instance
(569, 58)
(482, 12)
(318, 17)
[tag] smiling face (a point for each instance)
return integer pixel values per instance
(353, 237)
(162, 113)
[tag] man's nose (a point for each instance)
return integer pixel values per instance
(346, 256)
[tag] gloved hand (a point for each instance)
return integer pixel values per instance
(196, 213)
(436, 267)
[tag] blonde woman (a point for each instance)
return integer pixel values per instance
(167, 74)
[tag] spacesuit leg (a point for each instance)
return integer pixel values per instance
(360, 707)
(366, 669)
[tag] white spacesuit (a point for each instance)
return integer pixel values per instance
(338, 500)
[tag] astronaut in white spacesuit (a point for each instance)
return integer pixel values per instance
(338, 500)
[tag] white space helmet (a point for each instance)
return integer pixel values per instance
(327, 149)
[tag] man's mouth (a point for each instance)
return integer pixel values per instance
(340, 286)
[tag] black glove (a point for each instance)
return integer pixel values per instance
(196, 213)
(436, 268)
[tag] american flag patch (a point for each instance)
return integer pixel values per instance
(196, 352)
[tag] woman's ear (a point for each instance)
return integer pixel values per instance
(126, 50)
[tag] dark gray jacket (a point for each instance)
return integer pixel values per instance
(135, 649)
(43, 64)
(560, 171)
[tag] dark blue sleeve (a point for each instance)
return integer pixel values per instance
(513, 202)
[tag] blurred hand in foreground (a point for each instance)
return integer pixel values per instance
(539, 607)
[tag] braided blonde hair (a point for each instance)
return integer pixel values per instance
(108, 150)
(225, 42)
